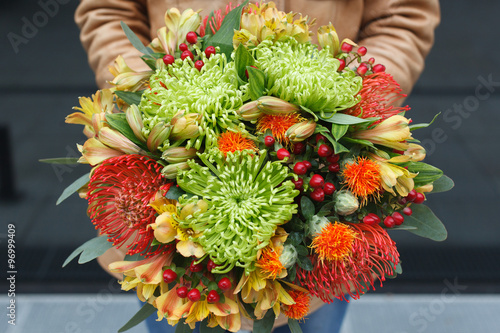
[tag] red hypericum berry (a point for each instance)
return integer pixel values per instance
(324, 151)
(411, 196)
(299, 168)
(269, 141)
(420, 198)
(298, 148)
(379, 68)
(194, 295)
(320, 137)
(209, 51)
(407, 211)
(318, 194)
(224, 284)
(169, 276)
(195, 267)
(168, 59)
(368, 219)
(346, 48)
(398, 218)
(192, 37)
(402, 201)
(371, 61)
(389, 222)
(317, 181)
(186, 54)
(183, 47)
(198, 64)
(329, 188)
(182, 292)
(341, 65)
(362, 69)
(307, 164)
(213, 297)
(362, 51)
(282, 153)
(298, 183)
(333, 158)
(334, 167)
(374, 217)
(211, 265)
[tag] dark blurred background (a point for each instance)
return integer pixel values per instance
(43, 75)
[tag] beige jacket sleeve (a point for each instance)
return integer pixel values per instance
(103, 38)
(400, 34)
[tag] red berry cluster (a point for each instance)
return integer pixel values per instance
(364, 66)
(192, 292)
(186, 51)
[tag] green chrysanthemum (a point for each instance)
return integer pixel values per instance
(247, 197)
(212, 92)
(303, 75)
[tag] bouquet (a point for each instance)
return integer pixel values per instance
(250, 170)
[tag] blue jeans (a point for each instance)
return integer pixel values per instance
(328, 319)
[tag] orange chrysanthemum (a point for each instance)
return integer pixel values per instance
(334, 242)
(300, 308)
(379, 93)
(362, 177)
(233, 141)
(270, 263)
(278, 125)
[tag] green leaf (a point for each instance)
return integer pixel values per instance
(118, 121)
(337, 147)
(141, 315)
(307, 207)
(426, 223)
(205, 329)
(292, 273)
(305, 263)
(339, 131)
(265, 325)
(130, 97)
(442, 184)
(242, 59)
(60, 160)
(302, 251)
(75, 186)
(132, 37)
(224, 37)
(426, 173)
(174, 193)
(326, 209)
(422, 125)
(257, 81)
(311, 113)
(208, 30)
(248, 308)
(150, 61)
(359, 142)
(295, 238)
(294, 326)
(345, 119)
(90, 250)
(181, 327)
(399, 268)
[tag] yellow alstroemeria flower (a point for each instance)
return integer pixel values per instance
(392, 132)
(393, 176)
(126, 78)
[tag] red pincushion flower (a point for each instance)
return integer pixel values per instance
(374, 255)
(300, 309)
(380, 91)
(120, 191)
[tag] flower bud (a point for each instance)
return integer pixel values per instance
(275, 106)
(158, 135)
(134, 120)
(191, 208)
(178, 154)
(250, 111)
(288, 256)
(118, 141)
(327, 36)
(316, 224)
(301, 131)
(185, 126)
(345, 202)
(171, 170)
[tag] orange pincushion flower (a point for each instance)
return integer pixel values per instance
(300, 308)
(278, 124)
(334, 242)
(270, 263)
(233, 141)
(362, 178)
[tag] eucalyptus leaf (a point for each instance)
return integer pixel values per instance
(130, 97)
(182, 327)
(118, 121)
(345, 119)
(295, 238)
(90, 250)
(174, 193)
(257, 82)
(423, 125)
(75, 186)
(443, 184)
(359, 142)
(302, 251)
(294, 326)
(132, 37)
(205, 329)
(265, 325)
(146, 311)
(307, 207)
(426, 173)
(305, 263)
(426, 223)
(60, 160)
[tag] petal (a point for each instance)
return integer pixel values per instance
(190, 248)
(231, 323)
